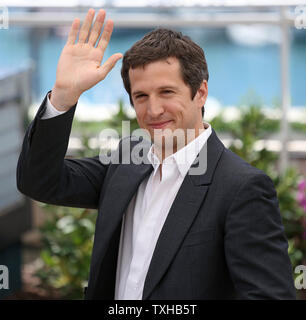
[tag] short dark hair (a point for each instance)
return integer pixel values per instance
(161, 44)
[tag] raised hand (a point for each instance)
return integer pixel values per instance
(79, 67)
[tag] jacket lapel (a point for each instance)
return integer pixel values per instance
(182, 214)
(121, 189)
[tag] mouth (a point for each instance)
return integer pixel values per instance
(159, 125)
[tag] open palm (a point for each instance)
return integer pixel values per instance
(79, 67)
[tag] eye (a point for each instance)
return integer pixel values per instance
(140, 96)
(167, 91)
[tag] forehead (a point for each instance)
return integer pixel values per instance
(164, 72)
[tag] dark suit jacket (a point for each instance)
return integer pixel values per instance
(223, 237)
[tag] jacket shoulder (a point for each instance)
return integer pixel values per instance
(235, 170)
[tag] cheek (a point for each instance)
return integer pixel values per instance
(177, 110)
(174, 108)
(140, 115)
(138, 110)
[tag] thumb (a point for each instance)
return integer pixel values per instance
(108, 65)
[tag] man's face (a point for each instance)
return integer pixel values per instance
(162, 100)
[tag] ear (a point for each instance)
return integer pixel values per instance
(201, 94)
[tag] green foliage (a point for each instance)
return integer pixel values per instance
(116, 121)
(253, 113)
(248, 129)
(93, 128)
(68, 238)
(298, 127)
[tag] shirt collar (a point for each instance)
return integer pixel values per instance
(185, 157)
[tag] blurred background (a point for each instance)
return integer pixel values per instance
(255, 52)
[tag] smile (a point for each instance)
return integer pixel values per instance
(159, 125)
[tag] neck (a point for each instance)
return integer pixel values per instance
(171, 144)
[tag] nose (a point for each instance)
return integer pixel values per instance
(155, 107)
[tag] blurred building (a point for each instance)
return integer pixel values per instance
(15, 213)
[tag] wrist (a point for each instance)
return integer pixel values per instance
(62, 100)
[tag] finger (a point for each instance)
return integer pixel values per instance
(108, 65)
(86, 26)
(106, 35)
(73, 33)
(96, 30)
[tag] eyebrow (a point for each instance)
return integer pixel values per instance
(137, 92)
(167, 87)
(159, 88)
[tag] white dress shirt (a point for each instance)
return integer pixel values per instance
(50, 111)
(147, 212)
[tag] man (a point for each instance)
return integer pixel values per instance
(161, 232)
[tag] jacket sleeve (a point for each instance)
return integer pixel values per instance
(45, 175)
(256, 247)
